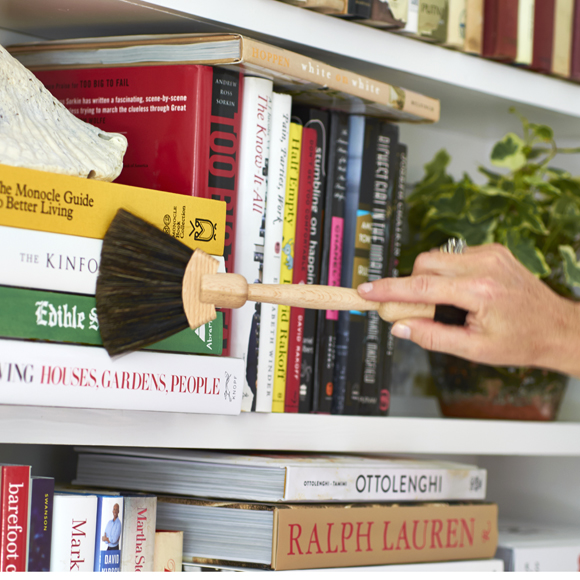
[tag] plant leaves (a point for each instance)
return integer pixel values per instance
(571, 265)
(447, 204)
(509, 152)
(473, 234)
(484, 207)
(542, 132)
(525, 250)
(528, 217)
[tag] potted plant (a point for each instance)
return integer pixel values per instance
(534, 210)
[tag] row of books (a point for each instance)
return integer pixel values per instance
(542, 35)
(308, 193)
(43, 529)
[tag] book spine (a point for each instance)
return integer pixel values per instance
(300, 268)
(474, 10)
(287, 264)
(50, 202)
(562, 42)
(383, 183)
(500, 30)
(412, 20)
(40, 535)
(14, 517)
(63, 317)
(249, 241)
(525, 32)
(544, 14)
(168, 551)
(575, 57)
(74, 527)
(384, 484)
(395, 239)
(455, 37)
(317, 120)
(331, 260)
(343, 359)
(433, 20)
(276, 191)
(138, 536)
(86, 377)
(382, 534)
(393, 101)
(108, 533)
(223, 161)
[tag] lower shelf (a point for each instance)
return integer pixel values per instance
(289, 432)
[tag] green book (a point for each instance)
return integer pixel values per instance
(59, 317)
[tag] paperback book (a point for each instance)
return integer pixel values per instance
(40, 530)
(138, 534)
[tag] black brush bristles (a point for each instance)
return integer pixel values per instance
(139, 285)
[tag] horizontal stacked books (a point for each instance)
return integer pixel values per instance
(542, 35)
(288, 512)
(313, 196)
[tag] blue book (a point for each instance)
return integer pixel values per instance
(40, 529)
(108, 537)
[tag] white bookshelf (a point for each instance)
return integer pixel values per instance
(522, 458)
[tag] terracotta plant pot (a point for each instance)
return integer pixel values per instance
(475, 391)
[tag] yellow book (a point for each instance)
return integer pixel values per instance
(562, 43)
(290, 206)
(62, 204)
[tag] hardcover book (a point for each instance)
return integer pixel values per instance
(287, 264)
(384, 15)
(331, 260)
(280, 477)
(500, 29)
(299, 536)
(525, 32)
(544, 16)
(575, 56)
(300, 268)
(183, 139)
(86, 377)
(138, 534)
(74, 527)
(108, 533)
(412, 21)
(49, 202)
(474, 26)
(60, 317)
(455, 36)
(433, 20)
(40, 529)
(250, 224)
(276, 192)
(562, 46)
(168, 551)
(310, 81)
(14, 517)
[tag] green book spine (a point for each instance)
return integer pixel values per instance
(59, 317)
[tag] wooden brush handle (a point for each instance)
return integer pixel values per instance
(232, 291)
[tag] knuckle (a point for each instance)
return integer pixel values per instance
(420, 284)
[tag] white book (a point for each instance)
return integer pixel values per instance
(525, 31)
(74, 524)
(251, 204)
(528, 547)
(138, 537)
(49, 261)
(282, 477)
(412, 26)
(280, 130)
(456, 24)
(58, 375)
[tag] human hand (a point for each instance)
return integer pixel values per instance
(513, 318)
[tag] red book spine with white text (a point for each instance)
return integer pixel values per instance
(300, 270)
(14, 518)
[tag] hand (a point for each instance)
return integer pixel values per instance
(514, 318)
(105, 539)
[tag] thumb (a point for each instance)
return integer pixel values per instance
(433, 335)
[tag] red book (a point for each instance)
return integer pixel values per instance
(182, 123)
(543, 35)
(14, 499)
(300, 269)
(500, 29)
(575, 61)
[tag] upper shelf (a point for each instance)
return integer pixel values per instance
(288, 432)
(475, 93)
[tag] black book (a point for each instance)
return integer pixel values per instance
(384, 179)
(331, 260)
(319, 121)
(396, 234)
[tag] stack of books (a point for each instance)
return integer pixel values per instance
(542, 35)
(289, 512)
(313, 196)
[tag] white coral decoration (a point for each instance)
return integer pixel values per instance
(38, 132)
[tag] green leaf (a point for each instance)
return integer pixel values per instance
(536, 152)
(473, 234)
(571, 265)
(527, 253)
(484, 207)
(491, 175)
(555, 173)
(434, 180)
(568, 185)
(447, 204)
(493, 191)
(529, 218)
(542, 132)
(535, 181)
(509, 153)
